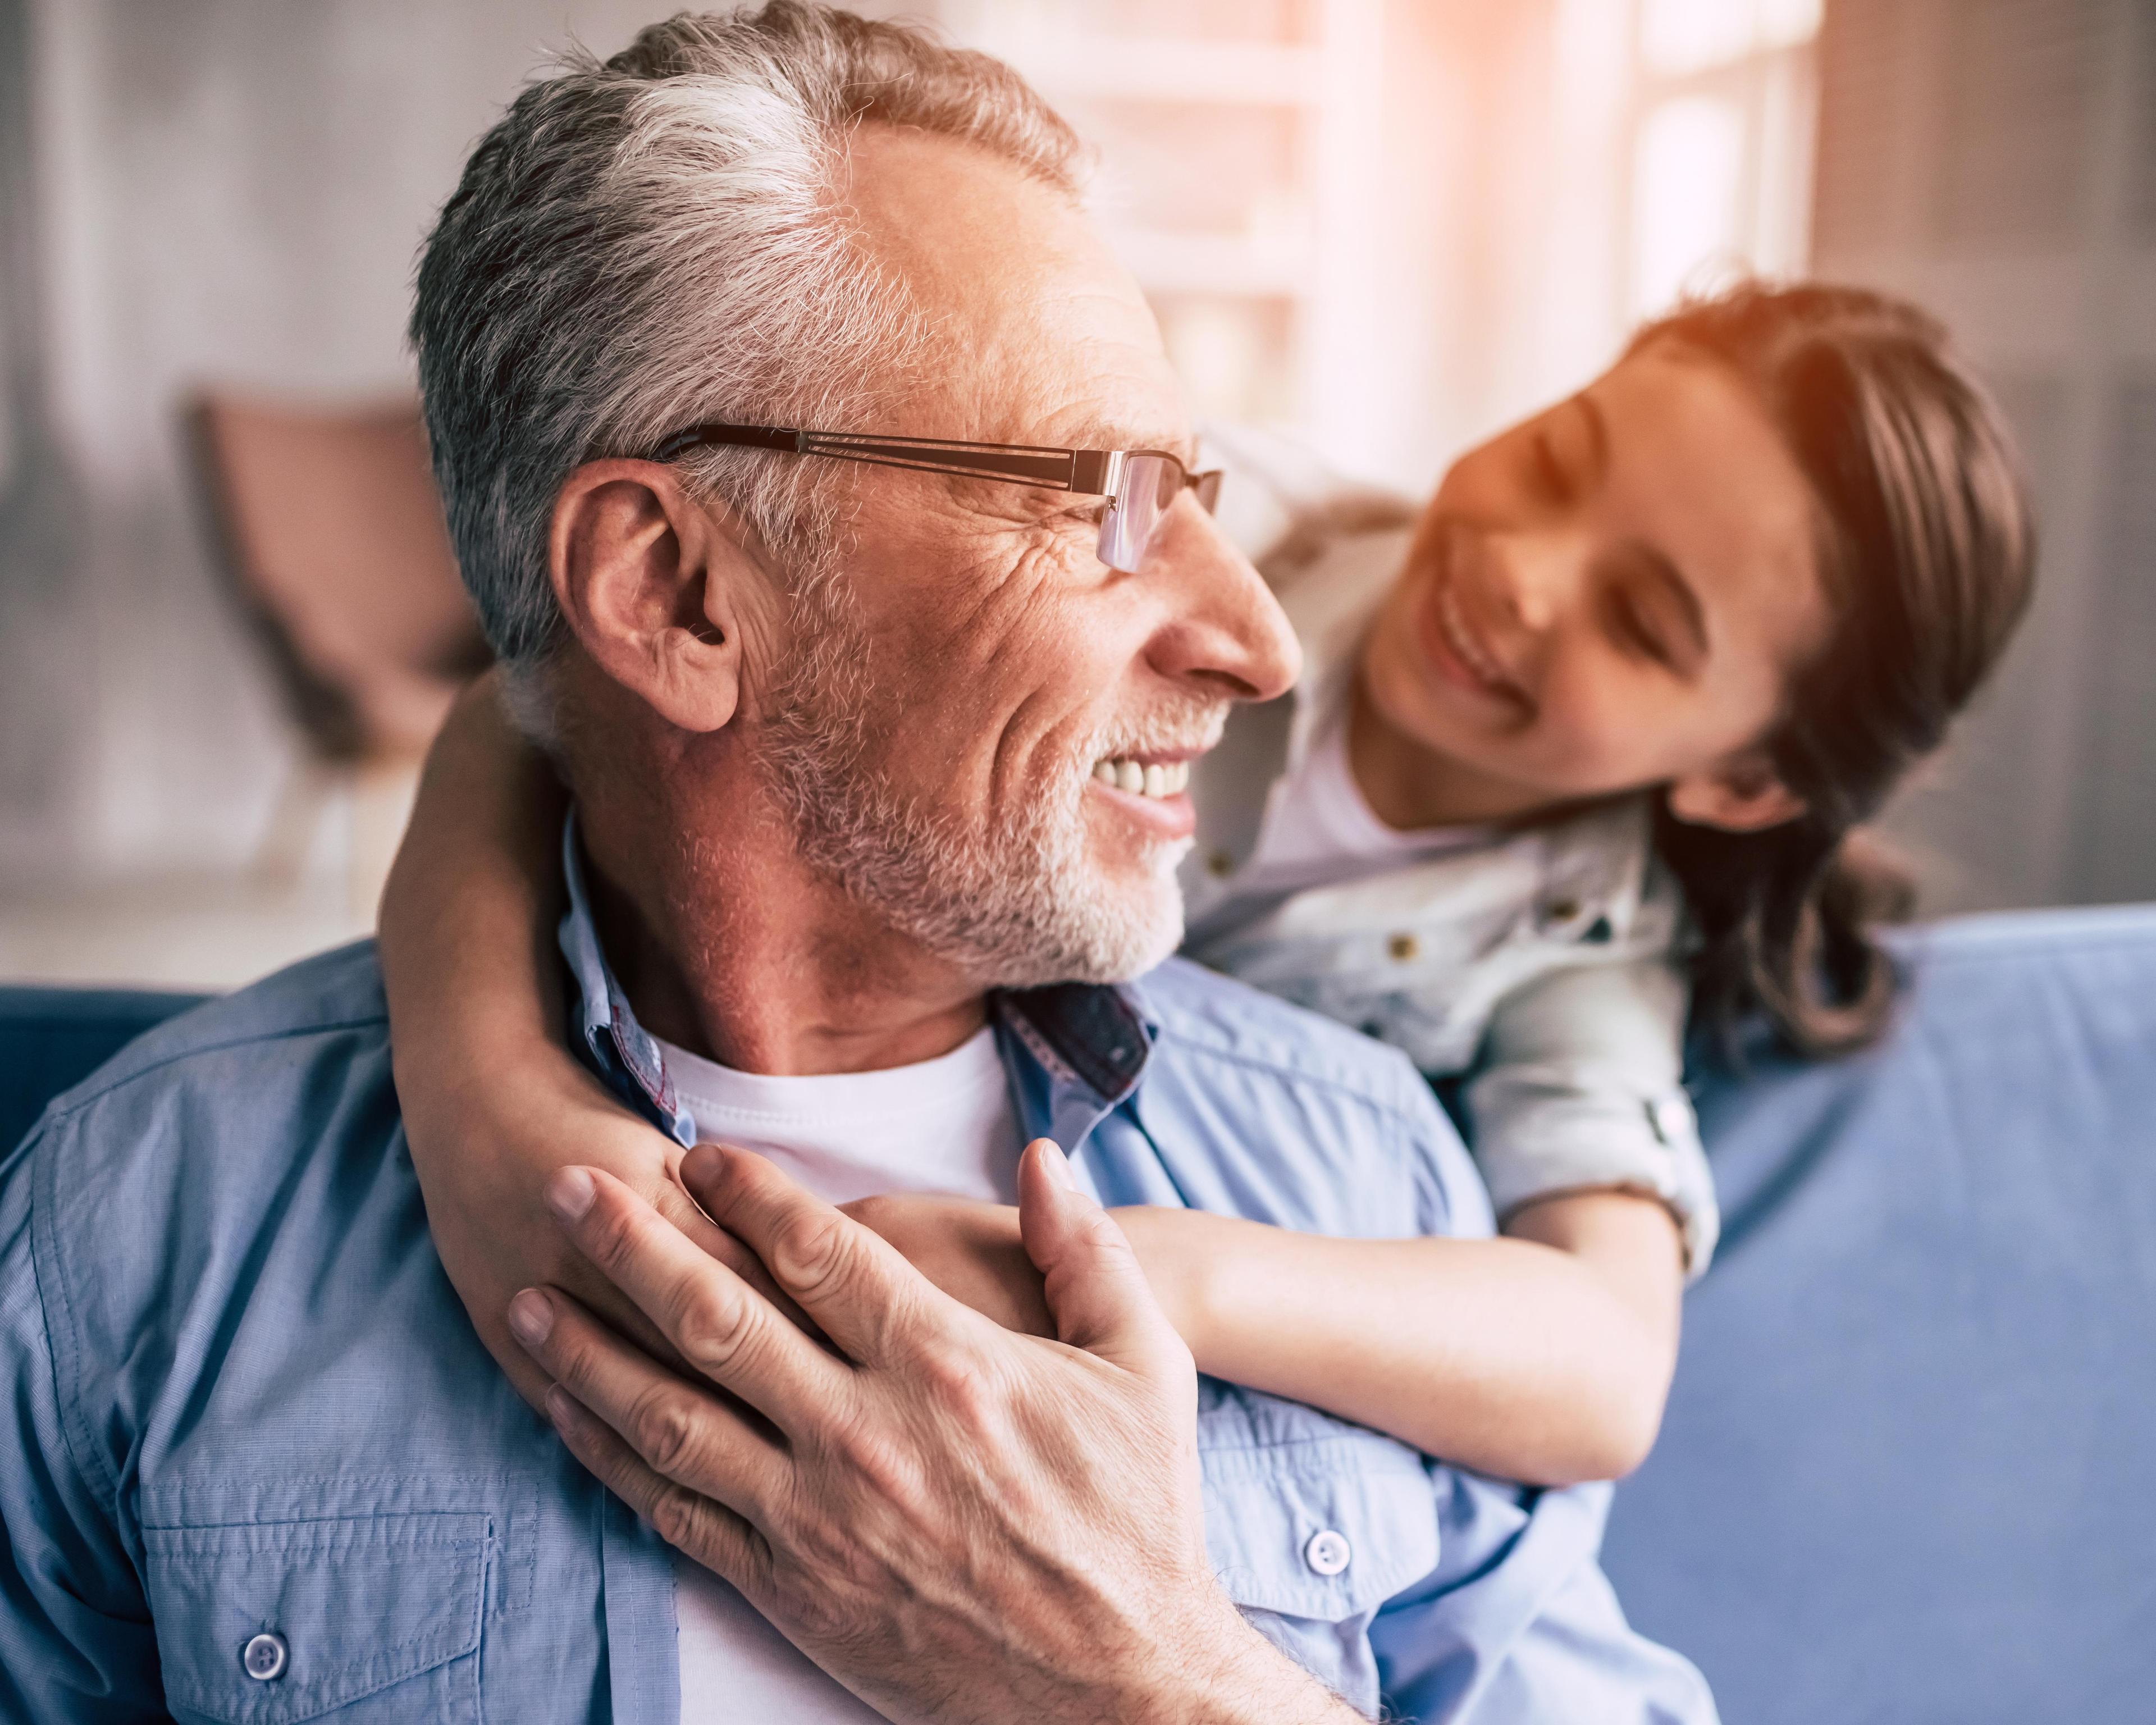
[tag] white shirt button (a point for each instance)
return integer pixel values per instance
(1327, 1552)
(265, 1656)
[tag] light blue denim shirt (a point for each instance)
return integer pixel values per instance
(246, 1411)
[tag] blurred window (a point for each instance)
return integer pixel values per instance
(1724, 103)
(1681, 36)
(1690, 164)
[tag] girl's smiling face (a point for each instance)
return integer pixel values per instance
(1609, 596)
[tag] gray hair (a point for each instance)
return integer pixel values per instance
(651, 242)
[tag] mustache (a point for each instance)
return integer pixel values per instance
(1188, 726)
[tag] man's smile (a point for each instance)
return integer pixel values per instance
(1143, 777)
(1150, 792)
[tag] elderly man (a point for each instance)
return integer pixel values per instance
(833, 728)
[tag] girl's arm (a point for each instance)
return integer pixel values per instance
(1544, 1357)
(492, 1101)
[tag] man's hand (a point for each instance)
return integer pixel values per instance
(957, 1521)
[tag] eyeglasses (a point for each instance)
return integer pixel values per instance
(1141, 485)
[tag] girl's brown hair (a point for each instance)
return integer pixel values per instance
(1927, 549)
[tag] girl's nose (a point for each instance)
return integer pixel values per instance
(1530, 575)
(1532, 606)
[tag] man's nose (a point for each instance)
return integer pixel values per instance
(1222, 627)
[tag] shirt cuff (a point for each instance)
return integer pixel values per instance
(1531, 1144)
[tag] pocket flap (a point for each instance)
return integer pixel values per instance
(359, 1603)
(1327, 1527)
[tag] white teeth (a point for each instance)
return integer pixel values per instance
(1156, 780)
(1457, 636)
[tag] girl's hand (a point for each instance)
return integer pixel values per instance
(969, 1250)
(483, 1165)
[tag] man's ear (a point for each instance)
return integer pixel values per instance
(655, 586)
(1742, 795)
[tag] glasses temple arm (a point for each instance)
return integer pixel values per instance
(1092, 472)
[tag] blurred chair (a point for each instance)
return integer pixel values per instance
(327, 525)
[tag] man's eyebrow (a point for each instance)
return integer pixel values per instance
(1106, 435)
(1597, 436)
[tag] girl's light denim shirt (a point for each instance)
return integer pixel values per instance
(1543, 963)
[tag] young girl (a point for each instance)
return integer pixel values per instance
(1578, 751)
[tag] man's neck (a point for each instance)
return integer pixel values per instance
(734, 948)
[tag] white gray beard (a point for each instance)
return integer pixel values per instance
(1017, 905)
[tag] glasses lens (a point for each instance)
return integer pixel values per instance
(1206, 484)
(1148, 489)
(1169, 485)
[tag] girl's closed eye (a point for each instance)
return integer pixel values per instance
(1637, 631)
(1655, 614)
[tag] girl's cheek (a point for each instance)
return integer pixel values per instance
(1610, 729)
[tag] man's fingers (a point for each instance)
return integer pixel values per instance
(722, 1327)
(672, 1201)
(695, 1525)
(681, 1431)
(1096, 1291)
(855, 1287)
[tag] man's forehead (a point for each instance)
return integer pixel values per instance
(1042, 334)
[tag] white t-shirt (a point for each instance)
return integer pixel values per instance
(947, 1125)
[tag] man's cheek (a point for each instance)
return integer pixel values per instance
(1024, 613)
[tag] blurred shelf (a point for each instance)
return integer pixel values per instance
(1237, 183)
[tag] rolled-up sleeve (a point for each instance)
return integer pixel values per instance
(76, 1643)
(1581, 1087)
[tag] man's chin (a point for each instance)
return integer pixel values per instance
(1135, 929)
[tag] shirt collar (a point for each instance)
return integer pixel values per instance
(1331, 606)
(1074, 1051)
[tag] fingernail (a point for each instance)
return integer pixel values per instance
(1057, 1166)
(531, 1317)
(570, 1193)
(563, 1409)
(700, 1166)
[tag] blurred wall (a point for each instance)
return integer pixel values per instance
(1996, 160)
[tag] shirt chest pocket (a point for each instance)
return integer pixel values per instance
(360, 1618)
(1311, 1537)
